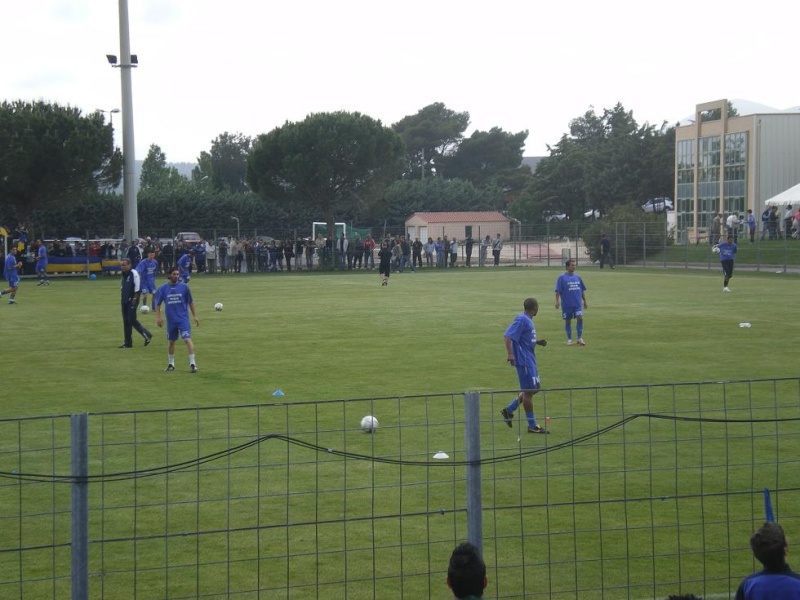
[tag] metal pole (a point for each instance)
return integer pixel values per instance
(472, 435)
(80, 506)
(131, 214)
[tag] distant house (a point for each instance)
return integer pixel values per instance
(477, 224)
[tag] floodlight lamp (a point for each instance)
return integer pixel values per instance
(112, 59)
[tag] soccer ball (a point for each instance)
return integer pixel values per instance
(715, 250)
(144, 309)
(218, 306)
(369, 424)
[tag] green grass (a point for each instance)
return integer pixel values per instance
(331, 336)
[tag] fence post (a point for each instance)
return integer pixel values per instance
(472, 435)
(80, 506)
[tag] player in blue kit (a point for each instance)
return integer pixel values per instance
(147, 274)
(11, 272)
(572, 299)
(41, 264)
(727, 252)
(177, 299)
(185, 266)
(520, 340)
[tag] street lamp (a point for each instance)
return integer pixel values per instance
(111, 114)
(238, 235)
(126, 63)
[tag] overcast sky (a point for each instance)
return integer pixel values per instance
(248, 66)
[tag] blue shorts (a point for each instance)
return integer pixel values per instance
(180, 329)
(528, 377)
(13, 280)
(571, 313)
(148, 287)
(41, 266)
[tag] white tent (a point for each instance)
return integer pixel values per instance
(786, 197)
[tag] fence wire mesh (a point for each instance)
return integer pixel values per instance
(637, 492)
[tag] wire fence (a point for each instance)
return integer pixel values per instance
(637, 492)
(631, 244)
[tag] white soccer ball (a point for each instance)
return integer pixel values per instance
(144, 309)
(369, 424)
(218, 306)
(715, 250)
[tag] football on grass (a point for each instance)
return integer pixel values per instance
(369, 424)
(218, 306)
(144, 309)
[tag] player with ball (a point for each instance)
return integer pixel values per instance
(727, 252)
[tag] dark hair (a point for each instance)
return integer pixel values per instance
(467, 571)
(769, 545)
(530, 303)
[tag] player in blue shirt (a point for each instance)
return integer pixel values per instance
(777, 580)
(727, 252)
(177, 299)
(147, 273)
(41, 264)
(11, 272)
(185, 266)
(520, 340)
(572, 299)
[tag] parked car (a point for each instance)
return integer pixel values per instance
(657, 205)
(552, 215)
(188, 238)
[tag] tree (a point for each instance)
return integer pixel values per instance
(606, 161)
(485, 155)
(331, 162)
(157, 175)
(225, 166)
(51, 155)
(434, 132)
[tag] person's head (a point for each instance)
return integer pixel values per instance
(151, 255)
(173, 276)
(125, 265)
(531, 306)
(466, 573)
(730, 239)
(570, 265)
(769, 545)
(749, 211)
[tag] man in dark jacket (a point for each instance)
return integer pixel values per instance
(131, 290)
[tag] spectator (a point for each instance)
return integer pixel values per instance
(776, 580)
(211, 256)
(605, 252)
(369, 254)
(497, 247)
(438, 246)
(466, 573)
(288, 253)
(468, 242)
(453, 252)
(484, 251)
(716, 229)
(416, 253)
(787, 221)
(751, 225)
(429, 249)
(299, 247)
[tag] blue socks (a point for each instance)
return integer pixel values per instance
(568, 329)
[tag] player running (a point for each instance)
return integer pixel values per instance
(520, 340)
(572, 299)
(177, 298)
(727, 252)
(41, 264)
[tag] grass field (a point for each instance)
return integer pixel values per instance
(332, 336)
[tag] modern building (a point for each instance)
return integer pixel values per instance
(729, 164)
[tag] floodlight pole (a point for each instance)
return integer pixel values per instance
(131, 214)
